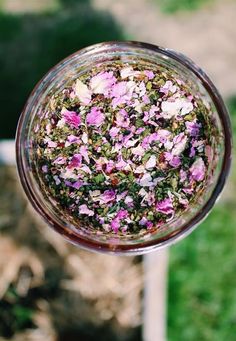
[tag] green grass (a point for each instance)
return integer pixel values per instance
(202, 281)
(15, 313)
(232, 110)
(202, 275)
(173, 6)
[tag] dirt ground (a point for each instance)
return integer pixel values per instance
(207, 36)
(50, 290)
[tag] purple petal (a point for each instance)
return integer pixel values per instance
(107, 196)
(198, 170)
(71, 118)
(76, 161)
(95, 117)
(165, 206)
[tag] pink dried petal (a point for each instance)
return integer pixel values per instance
(175, 162)
(45, 169)
(184, 202)
(183, 175)
(141, 89)
(84, 152)
(51, 144)
(193, 128)
(57, 179)
(179, 143)
(149, 74)
(72, 139)
(168, 86)
(174, 107)
(83, 209)
(95, 117)
(143, 221)
(82, 92)
(192, 152)
(121, 195)
(198, 169)
(60, 160)
(139, 130)
(107, 196)
(187, 107)
(209, 153)
(122, 92)
(139, 151)
(113, 132)
(100, 162)
(102, 83)
(146, 180)
(71, 118)
(170, 108)
(128, 72)
(76, 161)
(122, 214)
(86, 169)
(145, 99)
(149, 224)
(188, 190)
(165, 206)
(115, 224)
(151, 163)
(76, 184)
(128, 200)
(122, 119)
(84, 138)
(110, 166)
(121, 164)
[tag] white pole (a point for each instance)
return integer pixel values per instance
(7, 152)
(155, 295)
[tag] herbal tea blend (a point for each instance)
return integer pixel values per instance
(125, 148)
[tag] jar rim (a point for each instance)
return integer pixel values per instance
(153, 244)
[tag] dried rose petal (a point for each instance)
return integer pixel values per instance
(76, 161)
(165, 206)
(71, 118)
(83, 92)
(83, 209)
(102, 83)
(151, 163)
(95, 117)
(198, 170)
(192, 128)
(107, 196)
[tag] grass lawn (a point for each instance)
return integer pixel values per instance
(173, 6)
(202, 275)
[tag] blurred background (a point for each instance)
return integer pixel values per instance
(50, 290)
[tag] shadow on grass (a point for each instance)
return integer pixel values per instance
(31, 44)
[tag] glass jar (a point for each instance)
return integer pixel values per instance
(71, 68)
